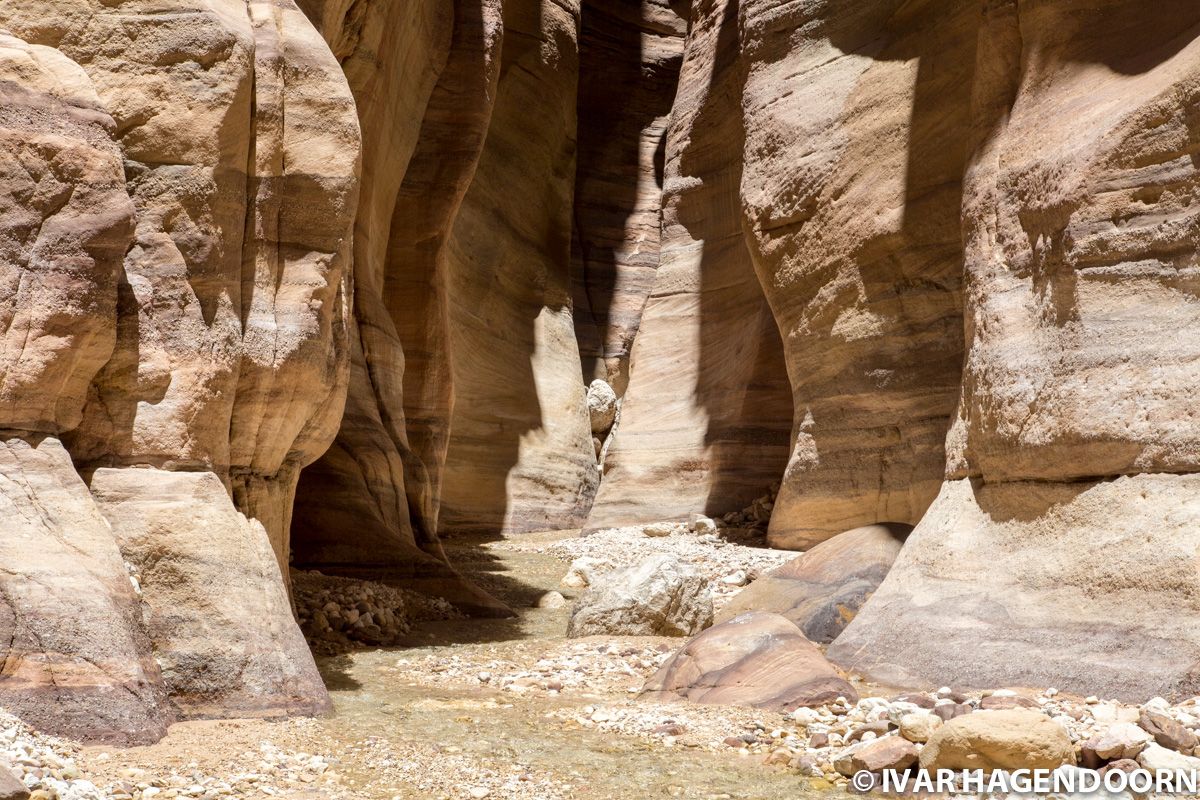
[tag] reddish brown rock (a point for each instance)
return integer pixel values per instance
(823, 589)
(892, 753)
(756, 659)
(1167, 732)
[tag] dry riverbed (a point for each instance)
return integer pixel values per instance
(465, 708)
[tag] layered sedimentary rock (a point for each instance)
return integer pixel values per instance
(755, 659)
(822, 590)
(629, 65)
(183, 181)
(856, 141)
(704, 422)
(75, 658)
(1037, 564)
(466, 408)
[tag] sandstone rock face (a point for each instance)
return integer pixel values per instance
(658, 597)
(175, 256)
(756, 659)
(466, 408)
(1072, 602)
(855, 144)
(214, 601)
(629, 57)
(1077, 358)
(1005, 740)
(822, 590)
(76, 658)
(704, 420)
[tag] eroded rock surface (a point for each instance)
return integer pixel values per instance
(1069, 503)
(822, 590)
(755, 659)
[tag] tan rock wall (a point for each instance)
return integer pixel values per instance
(182, 178)
(704, 421)
(1038, 565)
(855, 148)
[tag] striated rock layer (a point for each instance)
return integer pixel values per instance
(174, 248)
(466, 408)
(705, 419)
(1037, 564)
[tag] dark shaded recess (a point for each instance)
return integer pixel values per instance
(622, 91)
(348, 520)
(743, 380)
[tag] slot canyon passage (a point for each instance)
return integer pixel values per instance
(595, 398)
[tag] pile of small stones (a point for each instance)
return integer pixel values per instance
(728, 564)
(756, 515)
(337, 614)
(45, 764)
(264, 773)
(822, 743)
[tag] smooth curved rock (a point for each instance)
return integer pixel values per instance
(957, 610)
(76, 660)
(215, 605)
(822, 590)
(756, 659)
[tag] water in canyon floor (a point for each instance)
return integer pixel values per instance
(475, 708)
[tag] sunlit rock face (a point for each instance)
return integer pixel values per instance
(1068, 520)
(176, 263)
(704, 422)
(857, 118)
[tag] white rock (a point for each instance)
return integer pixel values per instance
(551, 600)
(1122, 740)
(1156, 757)
(602, 405)
(738, 578)
(702, 524)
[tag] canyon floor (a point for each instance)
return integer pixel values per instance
(479, 708)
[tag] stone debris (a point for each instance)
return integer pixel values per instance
(337, 614)
(728, 558)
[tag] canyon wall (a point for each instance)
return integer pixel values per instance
(1062, 548)
(317, 286)
(704, 422)
(179, 186)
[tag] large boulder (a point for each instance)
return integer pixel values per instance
(660, 596)
(602, 406)
(77, 661)
(756, 659)
(1004, 740)
(822, 590)
(215, 605)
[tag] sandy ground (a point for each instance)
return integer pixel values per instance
(474, 708)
